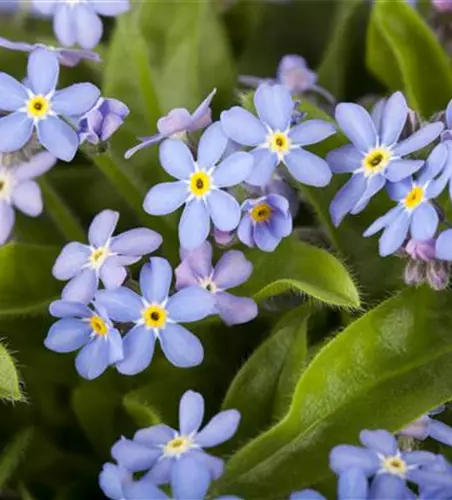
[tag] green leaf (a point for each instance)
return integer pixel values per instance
(13, 454)
(404, 53)
(399, 353)
(140, 411)
(298, 266)
(264, 379)
(9, 377)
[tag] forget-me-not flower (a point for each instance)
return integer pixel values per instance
(160, 448)
(78, 21)
(199, 186)
(90, 330)
(39, 106)
(375, 155)
(177, 123)
(156, 316)
(19, 190)
(426, 426)
(265, 222)
(435, 480)
(232, 270)
(273, 139)
(104, 258)
(414, 214)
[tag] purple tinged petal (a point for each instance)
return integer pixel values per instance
(161, 472)
(274, 106)
(344, 159)
(311, 132)
(190, 304)
(15, 131)
(377, 114)
(7, 219)
(165, 198)
(202, 116)
(27, 198)
(82, 287)
(214, 464)
(144, 144)
(102, 227)
(38, 165)
(190, 478)
(379, 441)
(23, 46)
(136, 242)
(177, 120)
(155, 280)
(419, 458)
(417, 429)
(393, 119)
(13, 94)
(156, 435)
(419, 139)
(92, 360)
(122, 304)
(388, 486)
(180, 346)
(67, 335)
(194, 225)
(383, 221)
(440, 431)
(264, 239)
(352, 484)
(347, 197)
(219, 429)
(43, 71)
(224, 210)
(434, 164)
(111, 480)
(75, 100)
(449, 115)
(211, 146)
(233, 170)
(88, 26)
(111, 8)
(306, 495)
(395, 234)
(280, 225)
(138, 347)
(199, 260)
(191, 412)
(112, 273)
(176, 159)
(374, 185)
(357, 125)
(245, 231)
(143, 489)
(58, 137)
(399, 190)
(265, 163)
(70, 261)
(345, 457)
(63, 309)
(133, 456)
(64, 26)
(243, 127)
(235, 310)
(397, 170)
(308, 168)
(443, 245)
(424, 222)
(232, 270)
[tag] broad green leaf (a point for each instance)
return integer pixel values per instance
(263, 380)
(298, 266)
(12, 454)
(140, 411)
(404, 53)
(385, 370)
(9, 377)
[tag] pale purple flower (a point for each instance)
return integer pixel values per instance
(19, 191)
(77, 21)
(177, 123)
(232, 270)
(39, 106)
(442, 5)
(103, 259)
(66, 57)
(435, 480)
(159, 449)
(273, 139)
(223, 238)
(102, 121)
(421, 250)
(156, 316)
(265, 222)
(426, 426)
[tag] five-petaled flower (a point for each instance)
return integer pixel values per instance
(104, 258)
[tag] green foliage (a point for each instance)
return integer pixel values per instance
(9, 377)
(13, 454)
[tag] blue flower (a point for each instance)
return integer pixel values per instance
(19, 190)
(157, 317)
(89, 330)
(232, 270)
(39, 106)
(177, 123)
(79, 22)
(274, 141)
(375, 155)
(414, 215)
(104, 258)
(265, 222)
(66, 57)
(382, 460)
(435, 480)
(102, 121)
(160, 448)
(426, 426)
(198, 186)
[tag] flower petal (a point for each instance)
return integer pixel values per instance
(274, 106)
(111, 479)
(75, 100)
(245, 231)
(264, 165)
(7, 218)
(155, 435)
(64, 26)
(92, 360)
(133, 456)
(347, 197)
(383, 221)
(194, 225)
(306, 495)
(27, 198)
(138, 347)
(38, 165)
(102, 227)
(190, 478)
(424, 222)
(357, 125)
(233, 170)
(165, 198)
(308, 168)
(67, 335)
(190, 304)
(13, 94)
(220, 428)
(398, 170)
(434, 164)
(180, 346)
(374, 185)
(264, 239)
(63, 309)
(112, 273)
(161, 471)
(136, 242)
(395, 233)
(379, 441)
(419, 139)
(58, 137)
(393, 119)
(43, 71)
(191, 412)
(399, 190)
(176, 159)
(389, 486)
(235, 310)
(122, 304)
(15, 131)
(155, 280)
(199, 260)
(224, 210)
(201, 117)
(143, 489)
(82, 287)
(110, 7)
(211, 146)
(311, 132)
(88, 26)
(232, 270)
(352, 484)
(145, 143)
(71, 260)
(344, 159)
(243, 127)
(345, 457)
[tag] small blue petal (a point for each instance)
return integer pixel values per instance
(235, 310)
(245, 231)
(194, 225)
(344, 159)
(155, 280)
(424, 222)
(88, 25)
(352, 484)
(311, 132)
(233, 170)
(395, 234)
(211, 146)
(347, 197)
(440, 431)
(133, 456)
(165, 198)
(380, 441)
(190, 304)
(43, 71)
(191, 412)
(219, 429)
(190, 478)
(75, 100)
(139, 241)
(306, 495)
(71, 260)
(92, 360)
(102, 227)
(63, 309)
(67, 335)
(419, 139)
(346, 457)
(265, 163)
(82, 287)
(156, 435)
(138, 348)
(13, 94)
(393, 119)
(58, 137)
(308, 168)
(357, 125)
(232, 270)
(274, 106)
(264, 238)
(180, 346)
(224, 210)
(388, 486)
(383, 221)
(243, 127)
(15, 131)
(176, 159)
(122, 304)
(398, 170)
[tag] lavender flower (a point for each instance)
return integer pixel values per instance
(375, 155)
(161, 448)
(89, 329)
(274, 141)
(66, 57)
(177, 123)
(156, 317)
(265, 222)
(442, 5)
(426, 426)
(39, 106)
(18, 190)
(435, 480)
(232, 270)
(104, 258)
(198, 186)
(79, 22)
(102, 121)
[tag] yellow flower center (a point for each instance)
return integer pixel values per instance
(395, 465)
(6, 185)
(278, 142)
(154, 316)
(376, 161)
(200, 183)
(261, 212)
(98, 256)
(177, 446)
(414, 197)
(98, 325)
(38, 106)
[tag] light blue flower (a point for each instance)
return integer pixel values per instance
(426, 426)
(414, 216)
(89, 330)
(199, 186)
(232, 270)
(39, 106)
(103, 259)
(156, 316)
(177, 123)
(160, 448)
(375, 155)
(79, 22)
(274, 141)
(265, 222)
(435, 480)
